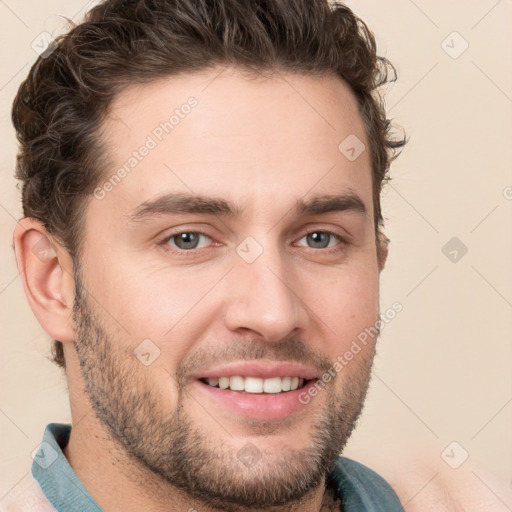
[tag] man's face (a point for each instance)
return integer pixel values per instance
(270, 283)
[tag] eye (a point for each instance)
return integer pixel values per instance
(321, 239)
(186, 240)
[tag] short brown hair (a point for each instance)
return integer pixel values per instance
(59, 108)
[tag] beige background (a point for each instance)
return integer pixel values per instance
(443, 372)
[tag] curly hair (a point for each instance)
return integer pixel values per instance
(61, 105)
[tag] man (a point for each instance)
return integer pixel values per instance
(203, 241)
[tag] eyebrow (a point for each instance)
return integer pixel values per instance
(190, 203)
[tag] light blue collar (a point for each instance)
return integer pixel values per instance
(56, 477)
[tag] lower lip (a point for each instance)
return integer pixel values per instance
(264, 406)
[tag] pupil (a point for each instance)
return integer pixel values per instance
(187, 240)
(319, 239)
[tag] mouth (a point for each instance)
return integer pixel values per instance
(265, 390)
(257, 385)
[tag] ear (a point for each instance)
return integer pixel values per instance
(382, 249)
(46, 271)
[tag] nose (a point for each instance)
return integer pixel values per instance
(264, 297)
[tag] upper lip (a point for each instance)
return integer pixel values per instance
(262, 369)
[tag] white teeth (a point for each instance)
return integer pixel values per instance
(272, 385)
(256, 384)
(253, 385)
(236, 383)
(224, 382)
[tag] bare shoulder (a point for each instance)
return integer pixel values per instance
(430, 485)
(26, 496)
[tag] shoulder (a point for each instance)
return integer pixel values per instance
(425, 483)
(26, 496)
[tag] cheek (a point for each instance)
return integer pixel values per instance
(345, 303)
(166, 307)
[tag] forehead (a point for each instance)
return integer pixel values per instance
(235, 135)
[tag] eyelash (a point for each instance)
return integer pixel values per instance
(342, 242)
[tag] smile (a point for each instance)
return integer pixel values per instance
(257, 384)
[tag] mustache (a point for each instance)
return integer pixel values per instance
(290, 349)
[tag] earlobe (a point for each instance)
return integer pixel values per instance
(47, 274)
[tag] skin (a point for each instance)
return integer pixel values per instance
(257, 143)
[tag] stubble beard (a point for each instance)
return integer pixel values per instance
(183, 454)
